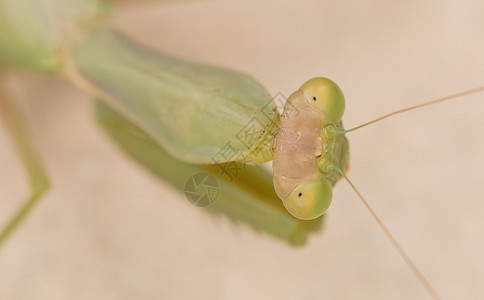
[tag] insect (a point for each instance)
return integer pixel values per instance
(364, 171)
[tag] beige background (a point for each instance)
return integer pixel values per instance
(109, 230)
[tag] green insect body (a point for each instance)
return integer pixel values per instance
(194, 111)
(303, 148)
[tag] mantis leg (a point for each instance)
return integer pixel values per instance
(29, 157)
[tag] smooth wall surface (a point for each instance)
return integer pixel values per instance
(109, 230)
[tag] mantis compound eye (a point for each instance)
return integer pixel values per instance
(310, 200)
(325, 95)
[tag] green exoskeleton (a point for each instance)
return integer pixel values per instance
(304, 147)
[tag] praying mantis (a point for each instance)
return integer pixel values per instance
(291, 87)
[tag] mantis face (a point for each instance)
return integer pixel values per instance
(301, 146)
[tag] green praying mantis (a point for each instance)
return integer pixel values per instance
(134, 83)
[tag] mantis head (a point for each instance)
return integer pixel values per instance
(310, 200)
(326, 96)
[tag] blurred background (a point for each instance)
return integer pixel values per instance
(107, 229)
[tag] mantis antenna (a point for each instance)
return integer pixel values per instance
(396, 245)
(394, 242)
(439, 100)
